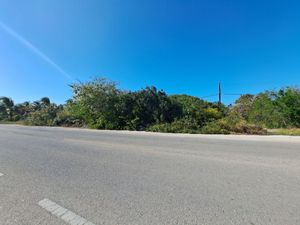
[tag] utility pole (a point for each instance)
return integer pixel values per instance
(220, 94)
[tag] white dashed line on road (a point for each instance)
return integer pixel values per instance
(63, 213)
(1, 174)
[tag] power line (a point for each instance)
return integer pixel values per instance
(220, 94)
(209, 96)
(233, 94)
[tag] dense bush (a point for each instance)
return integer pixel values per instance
(271, 109)
(103, 106)
(184, 125)
(232, 124)
(100, 104)
(215, 127)
(199, 110)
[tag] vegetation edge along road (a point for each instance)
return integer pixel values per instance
(100, 104)
(270, 132)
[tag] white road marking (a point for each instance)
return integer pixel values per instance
(1, 174)
(63, 213)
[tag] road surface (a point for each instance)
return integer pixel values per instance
(110, 177)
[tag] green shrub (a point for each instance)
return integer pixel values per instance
(245, 128)
(100, 104)
(178, 126)
(215, 127)
(232, 124)
(66, 119)
(45, 116)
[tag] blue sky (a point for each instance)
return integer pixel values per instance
(180, 46)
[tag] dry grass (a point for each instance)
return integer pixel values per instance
(291, 131)
(12, 122)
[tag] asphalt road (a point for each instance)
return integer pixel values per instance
(112, 178)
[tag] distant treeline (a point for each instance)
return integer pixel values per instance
(101, 104)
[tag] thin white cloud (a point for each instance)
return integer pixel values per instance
(34, 49)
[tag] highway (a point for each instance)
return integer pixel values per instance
(60, 176)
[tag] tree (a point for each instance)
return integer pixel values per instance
(46, 116)
(151, 106)
(3, 112)
(21, 110)
(265, 112)
(199, 110)
(96, 102)
(243, 105)
(45, 101)
(8, 105)
(288, 100)
(102, 105)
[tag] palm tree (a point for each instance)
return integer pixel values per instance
(45, 101)
(3, 113)
(36, 105)
(22, 109)
(8, 103)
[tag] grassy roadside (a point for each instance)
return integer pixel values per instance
(282, 131)
(291, 132)
(12, 122)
